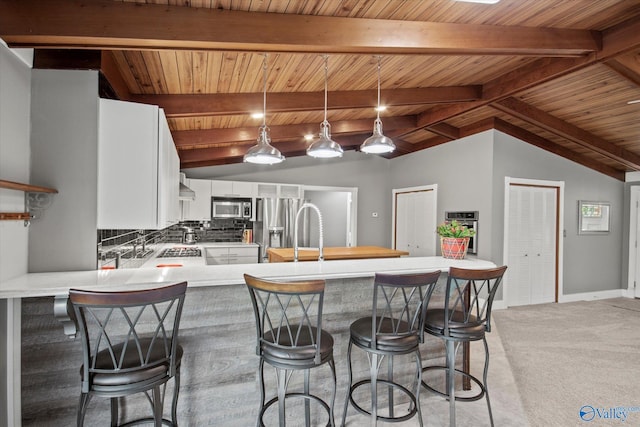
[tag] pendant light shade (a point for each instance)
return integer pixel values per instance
(263, 152)
(378, 143)
(325, 147)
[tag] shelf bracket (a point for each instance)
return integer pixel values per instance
(35, 204)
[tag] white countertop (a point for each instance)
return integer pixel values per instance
(59, 283)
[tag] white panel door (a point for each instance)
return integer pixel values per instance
(415, 221)
(532, 244)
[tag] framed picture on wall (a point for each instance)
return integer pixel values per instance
(593, 217)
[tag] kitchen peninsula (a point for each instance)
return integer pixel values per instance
(217, 332)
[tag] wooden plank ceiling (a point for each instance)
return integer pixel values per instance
(559, 74)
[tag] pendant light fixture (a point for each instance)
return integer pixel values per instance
(325, 147)
(263, 152)
(378, 143)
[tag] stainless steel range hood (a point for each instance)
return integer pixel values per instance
(186, 194)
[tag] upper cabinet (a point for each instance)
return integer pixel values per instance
(138, 167)
(232, 189)
(169, 175)
(198, 209)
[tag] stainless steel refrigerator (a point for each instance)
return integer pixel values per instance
(274, 225)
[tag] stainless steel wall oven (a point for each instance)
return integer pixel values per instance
(469, 219)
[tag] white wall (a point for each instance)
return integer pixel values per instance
(462, 169)
(15, 101)
(591, 263)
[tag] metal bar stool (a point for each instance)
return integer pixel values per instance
(465, 317)
(130, 345)
(395, 327)
(290, 338)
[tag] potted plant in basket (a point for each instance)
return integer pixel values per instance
(454, 239)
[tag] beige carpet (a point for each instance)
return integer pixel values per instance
(573, 357)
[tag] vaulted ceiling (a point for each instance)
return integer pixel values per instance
(558, 74)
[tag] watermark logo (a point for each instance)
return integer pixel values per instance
(589, 413)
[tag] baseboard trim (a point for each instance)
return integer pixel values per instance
(590, 296)
(582, 296)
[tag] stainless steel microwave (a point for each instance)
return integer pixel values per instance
(222, 207)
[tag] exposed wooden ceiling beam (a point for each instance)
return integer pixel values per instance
(616, 41)
(550, 123)
(628, 66)
(194, 138)
(122, 25)
(241, 103)
(446, 130)
(559, 150)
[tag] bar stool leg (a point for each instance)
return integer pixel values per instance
(417, 385)
(281, 374)
(157, 407)
(114, 411)
(261, 373)
(332, 364)
(451, 370)
(350, 374)
(307, 403)
(390, 389)
(484, 378)
(174, 404)
(374, 389)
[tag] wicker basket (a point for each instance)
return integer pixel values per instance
(454, 247)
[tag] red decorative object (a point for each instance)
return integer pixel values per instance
(454, 247)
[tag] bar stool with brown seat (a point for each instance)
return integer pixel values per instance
(130, 345)
(464, 317)
(394, 328)
(290, 338)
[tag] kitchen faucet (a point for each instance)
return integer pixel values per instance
(295, 232)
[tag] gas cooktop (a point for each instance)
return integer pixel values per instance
(180, 252)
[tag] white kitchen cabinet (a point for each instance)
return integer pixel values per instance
(198, 209)
(232, 188)
(169, 183)
(234, 254)
(137, 168)
(289, 191)
(281, 191)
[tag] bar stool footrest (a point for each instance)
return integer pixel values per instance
(458, 371)
(412, 411)
(146, 421)
(296, 394)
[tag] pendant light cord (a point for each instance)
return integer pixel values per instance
(264, 91)
(326, 68)
(378, 109)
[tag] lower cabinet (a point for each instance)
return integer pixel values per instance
(216, 255)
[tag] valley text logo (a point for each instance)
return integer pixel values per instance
(620, 413)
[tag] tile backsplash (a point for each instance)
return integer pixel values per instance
(127, 248)
(132, 248)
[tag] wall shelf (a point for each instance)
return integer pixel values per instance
(36, 198)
